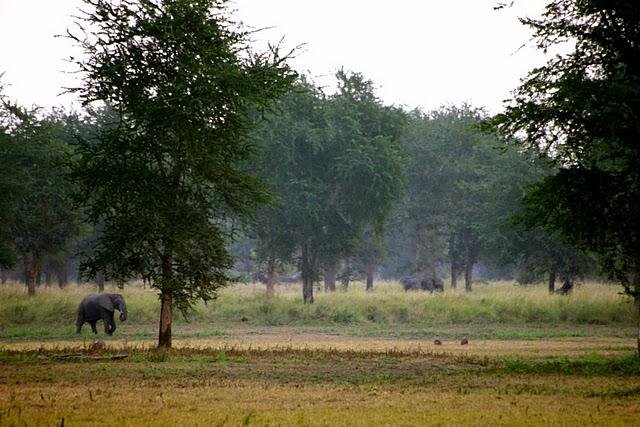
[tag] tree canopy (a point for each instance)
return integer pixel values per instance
(166, 181)
(336, 164)
(581, 111)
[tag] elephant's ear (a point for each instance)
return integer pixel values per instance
(106, 301)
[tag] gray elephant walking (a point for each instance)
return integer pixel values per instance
(101, 306)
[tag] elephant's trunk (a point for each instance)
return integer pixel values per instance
(123, 311)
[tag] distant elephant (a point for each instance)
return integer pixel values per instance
(432, 284)
(410, 283)
(101, 306)
(426, 283)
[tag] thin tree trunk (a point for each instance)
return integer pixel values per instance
(47, 277)
(552, 281)
(454, 275)
(166, 300)
(3, 276)
(468, 276)
(32, 276)
(166, 316)
(100, 282)
(370, 272)
(330, 274)
(637, 301)
(63, 273)
(307, 275)
(271, 277)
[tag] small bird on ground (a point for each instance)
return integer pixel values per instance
(437, 342)
(464, 341)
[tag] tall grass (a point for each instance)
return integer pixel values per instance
(500, 303)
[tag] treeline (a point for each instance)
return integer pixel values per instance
(364, 188)
(43, 235)
(359, 189)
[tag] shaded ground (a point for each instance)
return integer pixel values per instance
(307, 376)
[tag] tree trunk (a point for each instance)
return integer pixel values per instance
(552, 281)
(63, 273)
(468, 276)
(454, 275)
(100, 282)
(3, 276)
(637, 301)
(47, 278)
(308, 265)
(33, 269)
(307, 291)
(271, 277)
(330, 274)
(166, 315)
(370, 271)
(416, 260)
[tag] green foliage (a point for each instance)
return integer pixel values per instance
(37, 217)
(336, 164)
(166, 181)
(580, 110)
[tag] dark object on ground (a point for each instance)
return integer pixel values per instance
(464, 341)
(425, 283)
(100, 306)
(437, 342)
(244, 319)
(566, 288)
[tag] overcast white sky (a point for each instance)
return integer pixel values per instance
(420, 53)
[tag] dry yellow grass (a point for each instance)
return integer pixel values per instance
(465, 400)
(297, 339)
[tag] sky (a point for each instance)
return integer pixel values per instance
(419, 53)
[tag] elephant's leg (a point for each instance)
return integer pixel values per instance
(93, 326)
(107, 318)
(79, 323)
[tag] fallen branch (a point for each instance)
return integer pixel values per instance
(90, 357)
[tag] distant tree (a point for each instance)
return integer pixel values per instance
(11, 184)
(450, 190)
(41, 222)
(336, 164)
(167, 182)
(581, 111)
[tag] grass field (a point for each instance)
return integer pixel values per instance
(546, 361)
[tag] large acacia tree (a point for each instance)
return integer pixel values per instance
(166, 180)
(582, 111)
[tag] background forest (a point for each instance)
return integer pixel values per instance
(360, 190)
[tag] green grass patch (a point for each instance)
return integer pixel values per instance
(592, 364)
(51, 313)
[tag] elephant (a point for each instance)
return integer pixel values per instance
(432, 284)
(101, 306)
(426, 283)
(410, 283)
